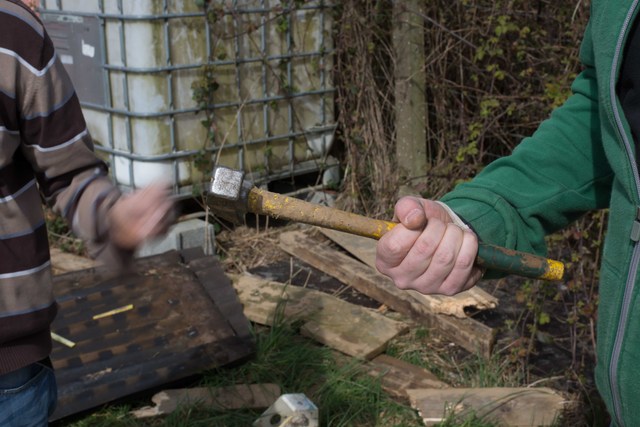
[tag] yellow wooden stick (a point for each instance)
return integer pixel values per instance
(113, 312)
(62, 340)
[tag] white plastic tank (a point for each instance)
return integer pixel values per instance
(272, 113)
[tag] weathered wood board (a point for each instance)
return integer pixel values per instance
(504, 406)
(348, 328)
(398, 376)
(64, 262)
(365, 250)
(221, 291)
(172, 330)
(470, 334)
(241, 396)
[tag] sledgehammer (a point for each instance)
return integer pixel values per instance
(230, 196)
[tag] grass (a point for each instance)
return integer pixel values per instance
(458, 369)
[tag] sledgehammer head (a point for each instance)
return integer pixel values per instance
(228, 192)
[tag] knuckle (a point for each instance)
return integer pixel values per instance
(390, 249)
(465, 261)
(445, 257)
(424, 247)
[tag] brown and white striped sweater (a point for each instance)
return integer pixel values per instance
(46, 154)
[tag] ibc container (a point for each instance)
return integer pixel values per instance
(135, 64)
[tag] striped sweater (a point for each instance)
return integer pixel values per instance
(46, 154)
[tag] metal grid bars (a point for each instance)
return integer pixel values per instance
(255, 73)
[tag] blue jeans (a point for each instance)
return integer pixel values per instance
(27, 396)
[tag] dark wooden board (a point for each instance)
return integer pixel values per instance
(220, 289)
(176, 328)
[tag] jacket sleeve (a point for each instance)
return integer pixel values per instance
(56, 143)
(550, 179)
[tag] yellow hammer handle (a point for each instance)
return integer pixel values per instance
(289, 208)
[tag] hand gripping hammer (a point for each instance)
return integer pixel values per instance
(231, 196)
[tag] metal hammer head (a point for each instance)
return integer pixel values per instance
(228, 192)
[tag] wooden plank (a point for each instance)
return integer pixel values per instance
(222, 293)
(503, 406)
(241, 396)
(63, 262)
(365, 250)
(348, 328)
(398, 376)
(468, 333)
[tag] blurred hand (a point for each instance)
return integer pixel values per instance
(141, 215)
(33, 4)
(426, 251)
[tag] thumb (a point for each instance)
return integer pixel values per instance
(410, 212)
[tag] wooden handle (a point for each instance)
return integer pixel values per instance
(492, 257)
(280, 206)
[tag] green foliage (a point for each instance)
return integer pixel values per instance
(282, 24)
(468, 150)
(557, 92)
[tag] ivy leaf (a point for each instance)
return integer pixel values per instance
(544, 318)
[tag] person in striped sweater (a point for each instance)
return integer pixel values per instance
(46, 154)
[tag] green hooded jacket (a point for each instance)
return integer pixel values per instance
(581, 158)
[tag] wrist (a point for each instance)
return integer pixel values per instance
(455, 218)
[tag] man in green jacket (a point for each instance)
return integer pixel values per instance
(582, 158)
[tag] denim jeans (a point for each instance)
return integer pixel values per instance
(27, 396)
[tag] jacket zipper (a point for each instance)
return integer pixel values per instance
(635, 233)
